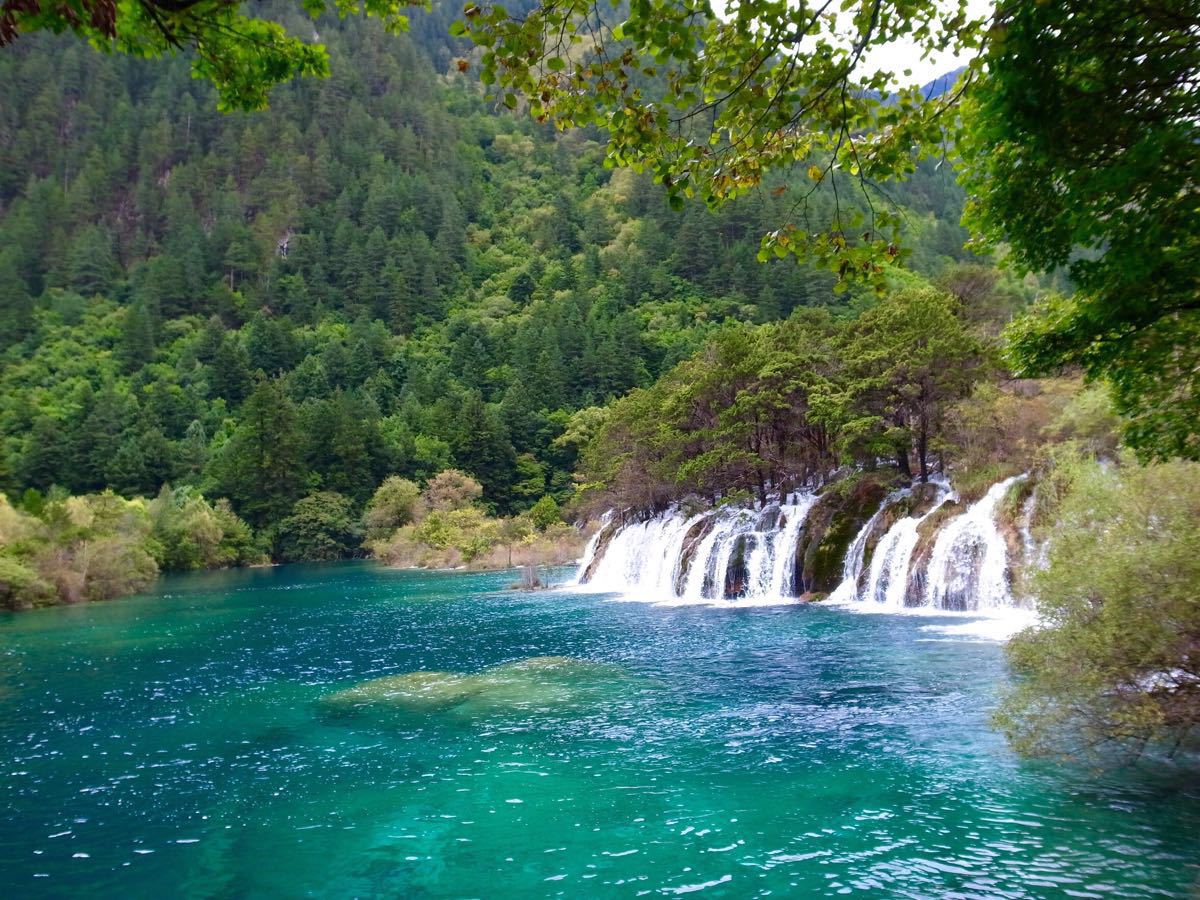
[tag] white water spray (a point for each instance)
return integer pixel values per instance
(888, 580)
(740, 556)
(968, 569)
(754, 550)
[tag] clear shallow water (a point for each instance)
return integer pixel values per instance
(185, 744)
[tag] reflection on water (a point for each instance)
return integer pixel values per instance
(346, 730)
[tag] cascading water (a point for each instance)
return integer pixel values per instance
(1033, 554)
(641, 557)
(710, 566)
(726, 554)
(589, 552)
(968, 569)
(888, 579)
(852, 565)
(783, 574)
(736, 555)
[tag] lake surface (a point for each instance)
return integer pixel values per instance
(208, 741)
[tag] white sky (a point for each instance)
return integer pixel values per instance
(903, 55)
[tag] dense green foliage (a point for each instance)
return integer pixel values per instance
(322, 526)
(393, 504)
(713, 99)
(1083, 148)
(243, 56)
(69, 549)
(709, 100)
(1115, 659)
(770, 408)
(445, 526)
(1080, 138)
(378, 276)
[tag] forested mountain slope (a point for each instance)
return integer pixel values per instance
(380, 275)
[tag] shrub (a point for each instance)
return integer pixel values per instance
(545, 513)
(189, 533)
(393, 504)
(322, 526)
(450, 490)
(21, 587)
(1115, 658)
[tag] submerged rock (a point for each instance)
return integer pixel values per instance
(556, 664)
(415, 690)
(526, 684)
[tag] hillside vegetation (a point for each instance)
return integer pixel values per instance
(381, 276)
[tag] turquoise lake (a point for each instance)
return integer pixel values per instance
(209, 740)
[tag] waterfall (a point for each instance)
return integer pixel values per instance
(739, 555)
(589, 552)
(852, 565)
(783, 573)
(641, 557)
(887, 583)
(727, 554)
(968, 569)
(1033, 555)
(710, 566)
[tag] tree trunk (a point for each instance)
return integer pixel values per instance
(902, 461)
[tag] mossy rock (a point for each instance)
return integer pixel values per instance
(927, 532)
(691, 541)
(736, 574)
(769, 518)
(607, 532)
(922, 498)
(1010, 515)
(831, 527)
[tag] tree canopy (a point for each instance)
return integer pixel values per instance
(1076, 127)
(765, 410)
(244, 56)
(1082, 150)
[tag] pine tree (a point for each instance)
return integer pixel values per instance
(91, 266)
(229, 372)
(260, 469)
(137, 338)
(482, 447)
(16, 305)
(41, 464)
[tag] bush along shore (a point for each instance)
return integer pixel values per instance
(64, 549)
(60, 548)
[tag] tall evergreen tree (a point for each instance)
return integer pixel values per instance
(261, 467)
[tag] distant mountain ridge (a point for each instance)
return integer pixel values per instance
(942, 84)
